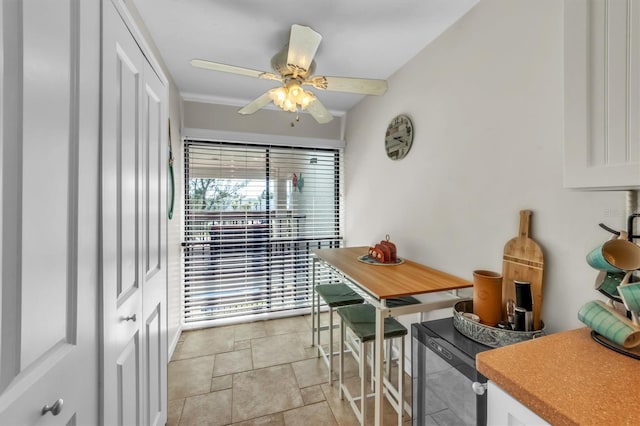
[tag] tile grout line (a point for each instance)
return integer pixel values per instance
(234, 376)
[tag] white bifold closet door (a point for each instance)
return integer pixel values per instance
(49, 175)
(134, 276)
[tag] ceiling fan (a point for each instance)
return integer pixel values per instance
(294, 66)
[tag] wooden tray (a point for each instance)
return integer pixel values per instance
(523, 261)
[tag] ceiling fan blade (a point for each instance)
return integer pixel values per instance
(303, 44)
(256, 104)
(216, 66)
(319, 112)
(363, 86)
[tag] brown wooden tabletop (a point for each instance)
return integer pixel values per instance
(386, 281)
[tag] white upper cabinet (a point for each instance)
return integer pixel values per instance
(602, 94)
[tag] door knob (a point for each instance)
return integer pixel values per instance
(131, 317)
(54, 409)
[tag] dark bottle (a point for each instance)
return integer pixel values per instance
(523, 295)
(524, 301)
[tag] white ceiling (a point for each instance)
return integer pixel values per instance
(361, 38)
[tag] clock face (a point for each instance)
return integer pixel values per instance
(399, 137)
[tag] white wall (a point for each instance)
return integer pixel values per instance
(272, 122)
(486, 99)
(174, 227)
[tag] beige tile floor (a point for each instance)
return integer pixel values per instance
(260, 373)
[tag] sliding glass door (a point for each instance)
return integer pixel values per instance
(252, 216)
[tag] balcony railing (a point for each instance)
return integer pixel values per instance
(238, 263)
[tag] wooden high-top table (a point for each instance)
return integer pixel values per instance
(380, 282)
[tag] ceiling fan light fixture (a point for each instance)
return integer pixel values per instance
(278, 95)
(289, 105)
(291, 97)
(307, 99)
(295, 90)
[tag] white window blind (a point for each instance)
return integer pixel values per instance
(253, 214)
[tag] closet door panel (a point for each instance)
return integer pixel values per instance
(49, 160)
(49, 215)
(154, 210)
(134, 228)
(121, 230)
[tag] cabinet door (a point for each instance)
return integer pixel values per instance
(503, 409)
(602, 94)
(49, 122)
(134, 145)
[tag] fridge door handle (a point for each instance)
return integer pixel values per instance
(479, 388)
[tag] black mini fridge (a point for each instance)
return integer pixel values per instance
(446, 387)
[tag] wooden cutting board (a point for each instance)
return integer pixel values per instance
(523, 261)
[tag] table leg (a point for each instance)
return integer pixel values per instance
(313, 303)
(318, 324)
(379, 366)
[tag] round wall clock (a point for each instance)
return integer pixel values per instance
(399, 137)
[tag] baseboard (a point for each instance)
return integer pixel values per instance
(174, 342)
